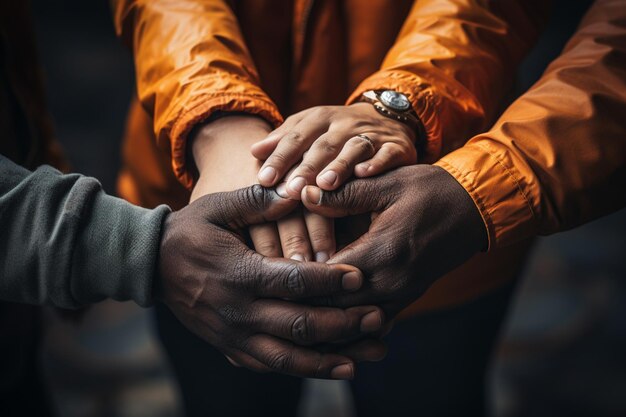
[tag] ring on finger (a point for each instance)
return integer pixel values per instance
(367, 139)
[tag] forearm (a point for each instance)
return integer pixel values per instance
(557, 156)
(221, 153)
(191, 61)
(64, 242)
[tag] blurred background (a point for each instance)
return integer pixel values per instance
(562, 348)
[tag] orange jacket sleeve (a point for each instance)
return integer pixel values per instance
(190, 61)
(557, 156)
(456, 60)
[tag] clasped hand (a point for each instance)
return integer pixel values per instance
(309, 319)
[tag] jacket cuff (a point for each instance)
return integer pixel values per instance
(421, 95)
(497, 190)
(115, 255)
(247, 99)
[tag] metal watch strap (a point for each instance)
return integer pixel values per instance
(407, 117)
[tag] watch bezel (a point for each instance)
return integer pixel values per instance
(392, 102)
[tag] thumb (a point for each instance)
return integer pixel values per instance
(355, 197)
(245, 206)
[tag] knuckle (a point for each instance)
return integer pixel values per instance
(362, 145)
(307, 168)
(342, 163)
(246, 200)
(294, 242)
(269, 246)
(295, 283)
(320, 111)
(278, 159)
(320, 235)
(280, 361)
(294, 137)
(393, 153)
(347, 196)
(257, 195)
(301, 328)
(327, 146)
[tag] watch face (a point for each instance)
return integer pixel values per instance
(394, 100)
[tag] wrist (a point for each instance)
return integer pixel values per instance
(470, 224)
(221, 152)
(215, 135)
(397, 106)
(368, 109)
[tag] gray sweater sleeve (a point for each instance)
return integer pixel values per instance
(65, 242)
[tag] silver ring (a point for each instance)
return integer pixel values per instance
(366, 138)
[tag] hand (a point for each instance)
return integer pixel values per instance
(327, 140)
(221, 150)
(237, 300)
(426, 225)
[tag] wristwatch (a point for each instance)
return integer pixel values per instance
(396, 106)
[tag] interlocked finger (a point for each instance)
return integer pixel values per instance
(285, 357)
(294, 237)
(305, 325)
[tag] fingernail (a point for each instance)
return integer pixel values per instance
(321, 257)
(329, 177)
(267, 175)
(314, 195)
(345, 371)
(296, 185)
(281, 190)
(297, 257)
(371, 322)
(351, 281)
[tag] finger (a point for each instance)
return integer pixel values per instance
(244, 207)
(294, 237)
(264, 148)
(366, 350)
(357, 149)
(232, 361)
(386, 329)
(266, 240)
(307, 325)
(322, 151)
(286, 358)
(355, 197)
(321, 232)
(389, 156)
(241, 359)
(282, 278)
(289, 151)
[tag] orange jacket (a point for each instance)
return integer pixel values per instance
(455, 59)
(556, 157)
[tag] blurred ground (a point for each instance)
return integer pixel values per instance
(562, 349)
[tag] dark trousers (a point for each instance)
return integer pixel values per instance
(435, 367)
(21, 387)
(436, 363)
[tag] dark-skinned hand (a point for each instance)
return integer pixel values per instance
(244, 303)
(424, 225)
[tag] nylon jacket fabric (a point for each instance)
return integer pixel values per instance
(454, 59)
(556, 158)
